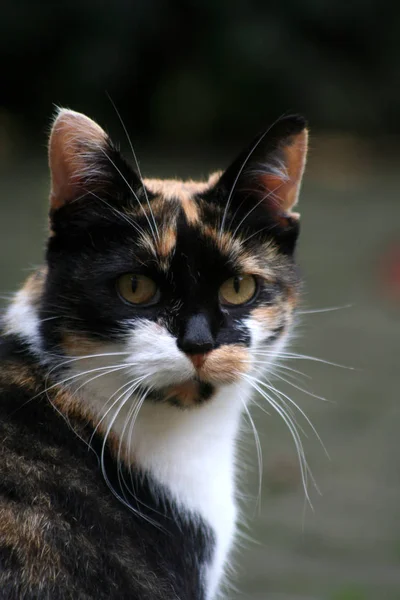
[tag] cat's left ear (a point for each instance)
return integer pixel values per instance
(83, 160)
(269, 173)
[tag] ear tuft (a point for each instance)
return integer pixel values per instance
(285, 163)
(270, 171)
(76, 151)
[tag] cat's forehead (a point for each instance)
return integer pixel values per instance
(171, 189)
(190, 226)
(182, 194)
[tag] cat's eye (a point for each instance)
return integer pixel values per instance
(238, 290)
(138, 289)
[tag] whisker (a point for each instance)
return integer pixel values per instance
(300, 388)
(259, 452)
(136, 163)
(301, 411)
(256, 233)
(304, 468)
(323, 310)
(86, 356)
(71, 378)
(131, 417)
(277, 365)
(246, 160)
(81, 374)
(292, 356)
(125, 397)
(131, 420)
(130, 188)
(120, 214)
(271, 193)
(131, 388)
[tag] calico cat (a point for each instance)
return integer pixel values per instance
(127, 361)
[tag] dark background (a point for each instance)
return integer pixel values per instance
(193, 81)
(203, 70)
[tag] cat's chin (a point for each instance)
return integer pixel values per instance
(185, 395)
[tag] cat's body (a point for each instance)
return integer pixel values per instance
(127, 362)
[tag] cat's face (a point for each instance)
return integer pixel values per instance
(194, 282)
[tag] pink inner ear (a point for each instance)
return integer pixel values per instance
(73, 143)
(282, 190)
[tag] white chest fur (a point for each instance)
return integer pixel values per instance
(192, 454)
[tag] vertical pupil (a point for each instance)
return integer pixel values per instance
(134, 283)
(236, 284)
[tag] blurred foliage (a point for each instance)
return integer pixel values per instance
(210, 69)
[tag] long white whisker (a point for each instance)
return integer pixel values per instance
(81, 374)
(289, 372)
(293, 356)
(131, 420)
(271, 193)
(130, 188)
(255, 233)
(301, 411)
(304, 468)
(86, 356)
(315, 311)
(136, 382)
(121, 479)
(274, 374)
(288, 409)
(277, 365)
(65, 417)
(136, 162)
(246, 160)
(120, 214)
(259, 452)
(126, 397)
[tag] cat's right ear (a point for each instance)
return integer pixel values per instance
(82, 159)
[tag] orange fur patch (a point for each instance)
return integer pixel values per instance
(276, 315)
(18, 374)
(166, 243)
(24, 529)
(182, 191)
(34, 284)
(186, 393)
(270, 316)
(75, 344)
(284, 189)
(225, 364)
(190, 209)
(224, 241)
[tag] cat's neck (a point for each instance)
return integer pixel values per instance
(191, 454)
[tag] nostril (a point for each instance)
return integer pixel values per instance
(194, 348)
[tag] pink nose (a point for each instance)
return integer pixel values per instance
(198, 359)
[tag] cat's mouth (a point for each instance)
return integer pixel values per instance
(194, 386)
(186, 394)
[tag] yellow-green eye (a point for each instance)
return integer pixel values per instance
(138, 289)
(238, 290)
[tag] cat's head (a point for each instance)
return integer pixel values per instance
(194, 283)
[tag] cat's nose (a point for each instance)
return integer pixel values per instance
(196, 337)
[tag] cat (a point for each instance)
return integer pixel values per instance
(127, 361)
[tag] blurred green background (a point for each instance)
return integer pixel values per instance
(193, 82)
